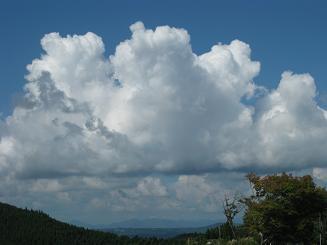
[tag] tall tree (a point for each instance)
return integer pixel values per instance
(231, 209)
(284, 208)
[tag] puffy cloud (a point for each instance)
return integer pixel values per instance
(197, 193)
(153, 107)
(151, 186)
(291, 125)
(6, 150)
(320, 173)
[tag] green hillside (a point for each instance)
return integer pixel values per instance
(284, 209)
(23, 226)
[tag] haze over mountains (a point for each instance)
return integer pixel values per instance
(150, 223)
(152, 227)
(161, 223)
(31, 227)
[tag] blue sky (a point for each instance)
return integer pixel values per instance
(200, 103)
(282, 34)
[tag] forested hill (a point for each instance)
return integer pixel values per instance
(23, 226)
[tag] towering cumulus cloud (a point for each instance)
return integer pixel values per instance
(155, 107)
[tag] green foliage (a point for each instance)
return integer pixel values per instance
(223, 231)
(243, 241)
(203, 241)
(29, 227)
(284, 208)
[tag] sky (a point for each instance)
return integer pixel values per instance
(111, 110)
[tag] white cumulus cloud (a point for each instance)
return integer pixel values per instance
(155, 107)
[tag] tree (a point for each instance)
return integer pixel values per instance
(22, 226)
(284, 208)
(231, 209)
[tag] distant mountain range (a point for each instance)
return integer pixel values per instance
(158, 232)
(153, 227)
(29, 227)
(160, 223)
